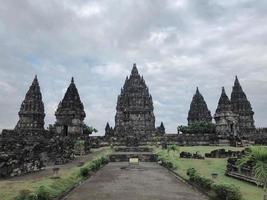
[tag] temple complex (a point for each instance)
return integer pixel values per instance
(242, 107)
(70, 112)
(198, 111)
(226, 120)
(31, 114)
(134, 108)
(31, 147)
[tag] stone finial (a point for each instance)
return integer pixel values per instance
(197, 91)
(134, 70)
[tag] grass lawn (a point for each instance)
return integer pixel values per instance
(10, 188)
(212, 165)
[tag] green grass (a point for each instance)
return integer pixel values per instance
(211, 165)
(9, 189)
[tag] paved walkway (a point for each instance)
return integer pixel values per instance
(148, 181)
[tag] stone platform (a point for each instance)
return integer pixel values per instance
(133, 149)
(123, 154)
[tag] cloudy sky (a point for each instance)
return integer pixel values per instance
(177, 45)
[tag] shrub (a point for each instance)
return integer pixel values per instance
(168, 164)
(227, 192)
(43, 194)
(84, 172)
(173, 148)
(25, 195)
(191, 172)
(203, 182)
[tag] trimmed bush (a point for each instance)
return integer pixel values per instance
(84, 172)
(25, 195)
(168, 164)
(191, 172)
(227, 192)
(222, 191)
(203, 182)
(43, 194)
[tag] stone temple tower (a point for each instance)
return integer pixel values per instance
(198, 111)
(242, 107)
(226, 120)
(31, 114)
(70, 113)
(134, 114)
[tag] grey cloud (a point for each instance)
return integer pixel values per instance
(177, 45)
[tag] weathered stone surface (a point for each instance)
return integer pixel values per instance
(161, 129)
(222, 153)
(70, 112)
(134, 108)
(198, 111)
(242, 107)
(31, 114)
(145, 182)
(28, 151)
(226, 120)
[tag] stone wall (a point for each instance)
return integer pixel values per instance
(28, 151)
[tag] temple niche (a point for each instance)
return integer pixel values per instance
(70, 113)
(31, 114)
(242, 107)
(226, 120)
(198, 111)
(134, 114)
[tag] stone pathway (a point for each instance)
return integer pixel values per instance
(148, 181)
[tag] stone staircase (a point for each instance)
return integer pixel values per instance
(124, 154)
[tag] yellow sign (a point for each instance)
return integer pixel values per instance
(134, 161)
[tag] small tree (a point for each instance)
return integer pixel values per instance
(258, 156)
(89, 129)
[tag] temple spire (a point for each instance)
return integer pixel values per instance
(225, 119)
(31, 114)
(224, 103)
(198, 111)
(242, 106)
(70, 111)
(134, 107)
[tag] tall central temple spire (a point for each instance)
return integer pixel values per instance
(134, 107)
